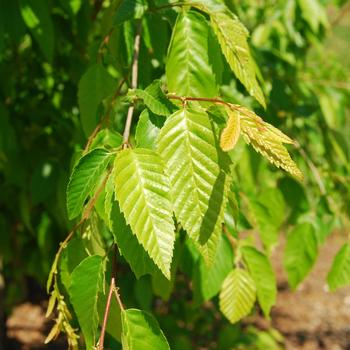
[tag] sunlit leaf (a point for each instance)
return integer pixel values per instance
(84, 178)
(198, 186)
(231, 132)
(188, 69)
(262, 273)
(143, 193)
(339, 275)
(237, 295)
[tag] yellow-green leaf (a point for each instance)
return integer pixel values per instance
(143, 193)
(237, 295)
(267, 140)
(231, 132)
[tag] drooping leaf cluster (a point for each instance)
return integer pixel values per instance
(172, 203)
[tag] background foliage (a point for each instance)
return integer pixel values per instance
(65, 69)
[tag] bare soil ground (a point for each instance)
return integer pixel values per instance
(310, 318)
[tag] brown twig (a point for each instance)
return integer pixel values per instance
(105, 317)
(134, 78)
(313, 169)
(85, 216)
(113, 289)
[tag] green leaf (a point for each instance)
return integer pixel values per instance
(106, 138)
(146, 131)
(141, 331)
(189, 71)
(268, 141)
(207, 282)
(114, 323)
(85, 286)
(130, 9)
(71, 257)
(128, 245)
(339, 275)
(272, 199)
(36, 16)
(84, 178)
(199, 187)
(162, 286)
(263, 221)
(143, 193)
(155, 99)
(230, 134)
(232, 36)
(262, 273)
(94, 86)
(300, 253)
(237, 295)
(314, 14)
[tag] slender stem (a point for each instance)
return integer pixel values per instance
(117, 295)
(134, 78)
(105, 317)
(93, 200)
(184, 99)
(313, 169)
(85, 216)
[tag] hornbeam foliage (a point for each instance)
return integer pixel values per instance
(237, 295)
(142, 190)
(159, 213)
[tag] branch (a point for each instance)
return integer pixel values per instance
(313, 169)
(112, 289)
(184, 99)
(85, 216)
(134, 77)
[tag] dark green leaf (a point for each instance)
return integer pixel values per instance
(85, 177)
(36, 16)
(84, 289)
(141, 331)
(94, 86)
(300, 253)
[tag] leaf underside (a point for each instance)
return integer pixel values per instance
(230, 134)
(268, 141)
(198, 186)
(232, 36)
(143, 193)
